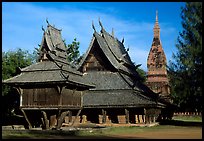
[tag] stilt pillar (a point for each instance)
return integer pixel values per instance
(53, 121)
(24, 114)
(45, 121)
(61, 119)
(127, 116)
(104, 116)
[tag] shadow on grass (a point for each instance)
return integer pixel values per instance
(180, 123)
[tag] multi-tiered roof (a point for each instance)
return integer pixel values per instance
(52, 66)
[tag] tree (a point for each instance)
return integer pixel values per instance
(142, 74)
(186, 71)
(73, 51)
(11, 60)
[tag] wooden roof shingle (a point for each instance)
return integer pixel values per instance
(117, 98)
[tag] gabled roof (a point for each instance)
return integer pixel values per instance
(114, 51)
(53, 69)
(52, 43)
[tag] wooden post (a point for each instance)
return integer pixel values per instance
(76, 117)
(61, 119)
(138, 117)
(143, 118)
(147, 118)
(29, 124)
(52, 121)
(81, 119)
(104, 116)
(84, 120)
(126, 116)
(70, 116)
(46, 121)
(42, 122)
(154, 119)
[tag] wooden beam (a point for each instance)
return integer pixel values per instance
(29, 124)
(46, 121)
(76, 117)
(61, 119)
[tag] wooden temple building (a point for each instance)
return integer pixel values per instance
(103, 87)
(157, 78)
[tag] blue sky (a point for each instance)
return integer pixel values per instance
(22, 22)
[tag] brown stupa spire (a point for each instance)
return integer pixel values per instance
(157, 79)
(156, 27)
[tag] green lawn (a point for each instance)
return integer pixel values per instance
(108, 132)
(179, 124)
(188, 118)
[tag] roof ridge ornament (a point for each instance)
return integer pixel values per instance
(123, 40)
(112, 32)
(128, 48)
(100, 23)
(93, 26)
(43, 28)
(47, 21)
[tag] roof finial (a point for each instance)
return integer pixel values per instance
(93, 26)
(128, 48)
(123, 40)
(47, 21)
(112, 32)
(43, 29)
(100, 23)
(156, 15)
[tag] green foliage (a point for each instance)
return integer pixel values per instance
(73, 51)
(11, 60)
(142, 74)
(186, 71)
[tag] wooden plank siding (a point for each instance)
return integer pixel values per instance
(71, 97)
(50, 97)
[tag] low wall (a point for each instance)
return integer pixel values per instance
(188, 114)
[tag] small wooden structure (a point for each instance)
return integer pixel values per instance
(51, 87)
(102, 88)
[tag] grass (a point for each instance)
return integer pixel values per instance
(177, 124)
(188, 118)
(135, 129)
(90, 133)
